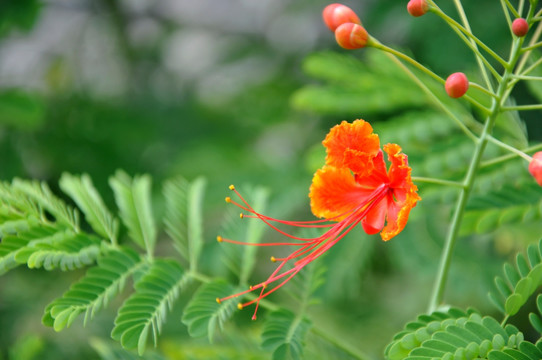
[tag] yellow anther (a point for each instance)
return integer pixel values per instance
(218, 300)
(264, 285)
(251, 287)
(240, 306)
(228, 199)
(241, 216)
(273, 259)
(219, 238)
(232, 187)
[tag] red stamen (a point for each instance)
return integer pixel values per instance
(311, 248)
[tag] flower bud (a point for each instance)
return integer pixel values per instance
(520, 27)
(351, 36)
(417, 7)
(535, 167)
(456, 85)
(337, 14)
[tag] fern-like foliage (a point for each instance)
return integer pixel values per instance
(145, 311)
(454, 335)
(351, 87)
(83, 192)
(203, 315)
(284, 334)
(519, 281)
(95, 290)
(183, 217)
(41, 196)
(503, 206)
(133, 197)
(67, 251)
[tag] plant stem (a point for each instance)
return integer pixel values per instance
(453, 231)
(437, 181)
(437, 101)
(507, 157)
(509, 148)
(522, 107)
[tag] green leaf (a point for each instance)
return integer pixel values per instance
(352, 88)
(524, 278)
(43, 196)
(145, 311)
(505, 205)
(63, 250)
(95, 290)
(90, 202)
(284, 334)
(184, 214)
(203, 315)
(11, 245)
(452, 335)
(133, 197)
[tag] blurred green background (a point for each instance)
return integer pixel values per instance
(218, 88)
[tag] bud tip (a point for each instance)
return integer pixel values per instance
(417, 7)
(456, 85)
(520, 27)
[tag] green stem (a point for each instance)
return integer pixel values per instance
(454, 23)
(408, 59)
(453, 232)
(522, 107)
(511, 8)
(437, 181)
(481, 88)
(527, 77)
(507, 157)
(509, 148)
(419, 66)
(480, 59)
(436, 100)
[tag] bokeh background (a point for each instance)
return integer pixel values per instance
(218, 88)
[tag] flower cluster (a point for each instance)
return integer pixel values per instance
(353, 187)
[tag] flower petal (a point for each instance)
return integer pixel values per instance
(404, 192)
(334, 192)
(352, 145)
(375, 219)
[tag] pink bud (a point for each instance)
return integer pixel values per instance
(520, 27)
(337, 14)
(535, 167)
(456, 85)
(351, 36)
(417, 7)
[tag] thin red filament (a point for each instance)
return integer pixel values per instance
(310, 248)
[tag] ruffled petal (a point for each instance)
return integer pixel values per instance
(399, 172)
(352, 145)
(404, 192)
(398, 216)
(334, 192)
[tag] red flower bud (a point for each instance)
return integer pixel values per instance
(457, 85)
(337, 14)
(351, 36)
(535, 167)
(417, 7)
(520, 27)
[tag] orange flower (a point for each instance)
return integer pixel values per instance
(353, 187)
